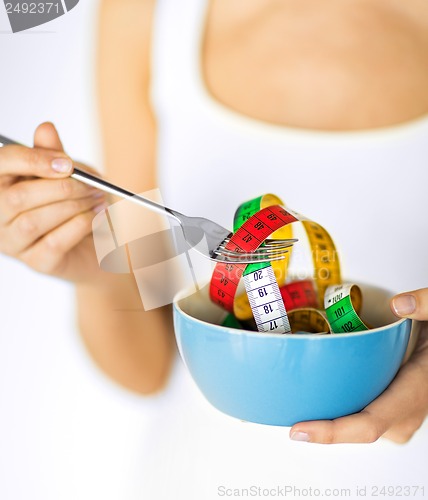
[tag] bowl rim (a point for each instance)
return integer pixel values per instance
(296, 335)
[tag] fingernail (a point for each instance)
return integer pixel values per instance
(299, 436)
(62, 165)
(100, 208)
(404, 305)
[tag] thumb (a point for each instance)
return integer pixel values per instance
(412, 305)
(46, 136)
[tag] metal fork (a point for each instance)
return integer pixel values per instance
(194, 228)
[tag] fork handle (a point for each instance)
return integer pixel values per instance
(108, 187)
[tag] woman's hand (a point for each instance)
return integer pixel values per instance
(45, 216)
(399, 411)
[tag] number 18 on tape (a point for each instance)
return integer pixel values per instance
(265, 299)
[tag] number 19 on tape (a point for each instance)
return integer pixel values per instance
(265, 300)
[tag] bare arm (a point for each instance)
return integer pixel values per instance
(132, 346)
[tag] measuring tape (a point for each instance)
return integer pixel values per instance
(241, 305)
(342, 304)
(224, 283)
(277, 306)
(265, 300)
(309, 320)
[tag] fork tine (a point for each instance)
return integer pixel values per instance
(246, 259)
(274, 243)
(259, 251)
(248, 255)
(270, 243)
(265, 250)
(254, 257)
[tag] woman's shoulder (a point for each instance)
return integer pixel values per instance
(136, 3)
(127, 17)
(124, 35)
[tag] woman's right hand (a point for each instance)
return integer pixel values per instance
(46, 216)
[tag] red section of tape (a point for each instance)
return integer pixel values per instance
(247, 238)
(299, 294)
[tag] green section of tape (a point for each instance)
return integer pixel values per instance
(245, 211)
(231, 322)
(343, 318)
(251, 268)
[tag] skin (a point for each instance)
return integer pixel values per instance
(258, 58)
(397, 413)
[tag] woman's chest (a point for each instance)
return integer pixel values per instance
(338, 66)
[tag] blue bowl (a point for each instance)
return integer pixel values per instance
(284, 379)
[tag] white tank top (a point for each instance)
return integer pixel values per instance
(367, 188)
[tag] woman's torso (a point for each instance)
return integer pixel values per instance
(305, 64)
(366, 186)
(223, 139)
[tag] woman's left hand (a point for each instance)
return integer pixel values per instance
(401, 409)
